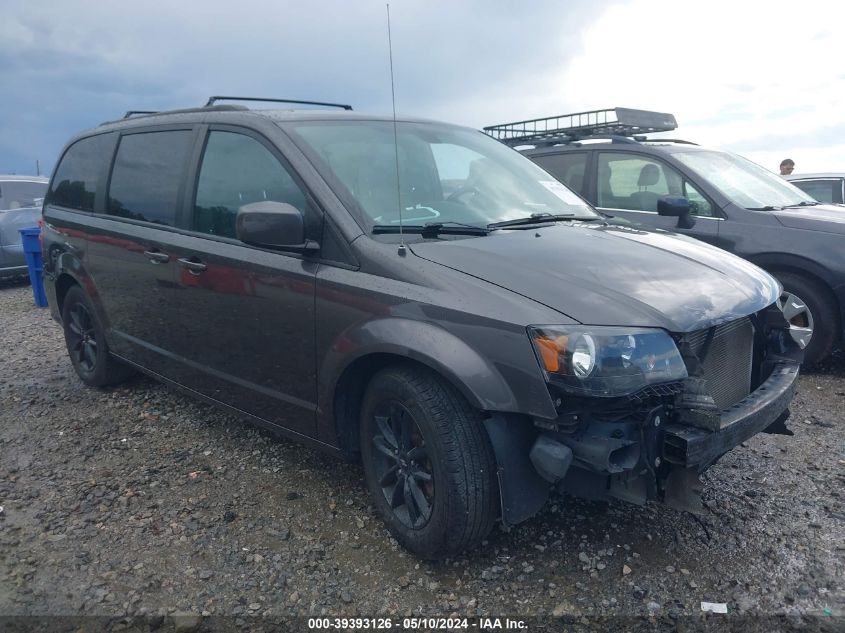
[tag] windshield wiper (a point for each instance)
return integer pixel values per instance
(431, 229)
(766, 208)
(803, 203)
(538, 218)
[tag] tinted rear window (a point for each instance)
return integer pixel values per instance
(569, 168)
(19, 195)
(148, 169)
(821, 190)
(77, 177)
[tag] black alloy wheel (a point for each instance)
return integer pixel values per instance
(86, 342)
(401, 464)
(82, 338)
(428, 462)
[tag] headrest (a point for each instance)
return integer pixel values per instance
(649, 175)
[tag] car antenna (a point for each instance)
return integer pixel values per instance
(402, 251)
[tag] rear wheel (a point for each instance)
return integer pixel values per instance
(86, 342)
(428, 462)
(811, 315)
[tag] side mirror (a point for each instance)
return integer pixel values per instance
(676, 208)
(276, 225)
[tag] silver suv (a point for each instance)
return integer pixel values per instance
(20, 207)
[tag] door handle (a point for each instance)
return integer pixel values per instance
(157, 257)
(192, 266)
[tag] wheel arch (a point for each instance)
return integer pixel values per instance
(352, 384)
(778, 262)
(773, 262)
(64, 282)
(69, 270)
(394, 341)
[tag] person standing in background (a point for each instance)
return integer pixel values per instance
(787, 166)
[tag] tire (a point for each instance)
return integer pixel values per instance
(819, 315)
(443, 451)
(86, 342)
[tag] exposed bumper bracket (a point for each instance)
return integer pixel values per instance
(694, 447)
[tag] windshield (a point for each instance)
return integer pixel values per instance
(446, 174)
(745, 183)
(21, 194)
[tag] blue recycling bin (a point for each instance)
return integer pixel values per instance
(35, 263)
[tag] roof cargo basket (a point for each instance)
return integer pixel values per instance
(570, 127)
(211, 101)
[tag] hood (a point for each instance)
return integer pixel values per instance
(613, 275)
(829, 218)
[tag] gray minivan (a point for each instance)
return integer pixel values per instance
(417, 296)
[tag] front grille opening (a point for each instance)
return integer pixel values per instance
(655, 392)
(727, 361)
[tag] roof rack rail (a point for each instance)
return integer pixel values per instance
(131, 113)
(680, 141)
(215, 108)
(566, 128)
(211, 101)
(613, 138)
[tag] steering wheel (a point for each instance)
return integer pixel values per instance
(462, 191)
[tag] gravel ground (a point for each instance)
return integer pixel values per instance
(139, 500)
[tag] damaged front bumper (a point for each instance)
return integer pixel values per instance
(654, 458)
(691, 447)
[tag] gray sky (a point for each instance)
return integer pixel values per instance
(765, 79)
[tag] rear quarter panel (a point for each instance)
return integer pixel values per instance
(64, 244)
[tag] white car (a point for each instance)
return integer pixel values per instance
(824, 187)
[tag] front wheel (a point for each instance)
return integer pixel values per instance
(811, 315)
(428, 462)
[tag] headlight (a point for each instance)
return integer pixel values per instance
(606, 361)
(583, 355)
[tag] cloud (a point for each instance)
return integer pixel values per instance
(67, 66)
(758, 78)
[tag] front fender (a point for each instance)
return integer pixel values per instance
(451, 357)
(786, 261)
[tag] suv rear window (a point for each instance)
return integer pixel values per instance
(77, 177)
(20, 194)
(148, 170)
(821, 190)
(568, 167)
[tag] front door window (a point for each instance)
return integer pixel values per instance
(636, 183)
(237, 170)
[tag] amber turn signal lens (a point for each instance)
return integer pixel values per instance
(551, 350)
